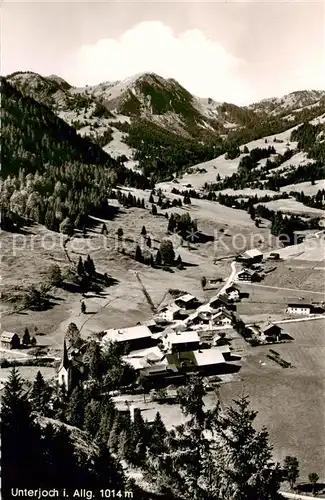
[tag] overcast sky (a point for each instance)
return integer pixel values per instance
(237, 52)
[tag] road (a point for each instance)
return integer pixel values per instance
(295, 496)
(231, 278)
(279, 288)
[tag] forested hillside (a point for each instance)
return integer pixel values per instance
(49, 172)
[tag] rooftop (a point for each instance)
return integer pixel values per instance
(186, 298)
(253, 253)
(126, 334)
(7, 336)
(184, 337)
(212, 356)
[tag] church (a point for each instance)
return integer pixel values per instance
(71, 370)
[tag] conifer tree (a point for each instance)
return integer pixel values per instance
(80, 267)
(26, 337)
(76, 408)
(158, 258)
(40, 394)
(143, 231)
(138, 254)
(154, 210)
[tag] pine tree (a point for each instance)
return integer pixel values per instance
(104, 229)
(114, 435)
(154, 210)
(92, 417)
(89, 266)
(40, 394)
(83, 307)
(143, 231)
(158, 258)
(151, 200)
(138, 254)
(76, 408)
(125, 447)
(148, 242)
(26, 337)
(80, 267)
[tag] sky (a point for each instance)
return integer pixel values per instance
(238, 52)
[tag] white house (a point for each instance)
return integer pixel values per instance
(182, 341)
(186, 301)
(170, 313)
(222, 318)
(209, 357)
(303, 309)
(137, 337)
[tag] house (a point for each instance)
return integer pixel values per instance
(232, 293)
(251, 256)
(136, 337)
(187, 301)
(270, 331)
(209, 357)
(145, 358)
(182, 341)
(221, 300)
(153, 326)
(171, 312)
(10, 340)
(222, 317)
(248, 275)
(299, 308)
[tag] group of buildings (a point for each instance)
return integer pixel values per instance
(184, 336)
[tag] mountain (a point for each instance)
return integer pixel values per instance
(159, 127)
(291, 103)
(34, 136)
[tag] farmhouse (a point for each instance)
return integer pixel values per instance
(137, 337)
(187, 301)
(248, 275)
(251, 256)
(171, 313)
(270, 331)
(300, 308)
(232, 293)
(10, 340)
(208, 357)
(222, 318)
(220, 301)
(185, 341)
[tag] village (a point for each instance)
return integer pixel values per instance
(188, 336)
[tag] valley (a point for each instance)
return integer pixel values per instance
(144, 218)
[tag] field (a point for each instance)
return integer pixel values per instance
(290, 402)
(293, 206)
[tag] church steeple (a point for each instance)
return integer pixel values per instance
(65, 360)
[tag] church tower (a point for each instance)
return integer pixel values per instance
(64, 371)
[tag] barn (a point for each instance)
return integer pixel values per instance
(10, 340)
